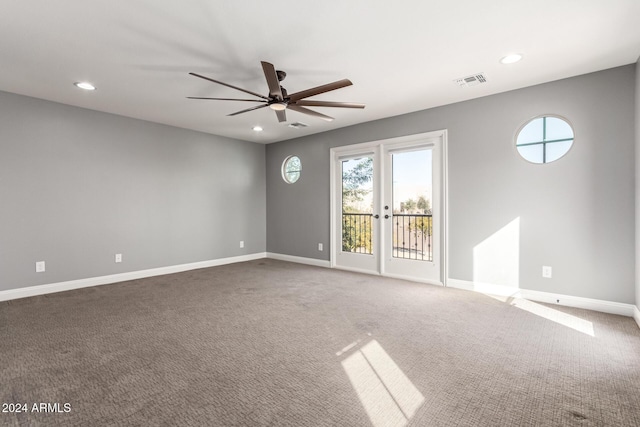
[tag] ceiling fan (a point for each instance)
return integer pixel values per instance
(279, 100)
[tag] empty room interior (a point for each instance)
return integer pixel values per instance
(294, 213)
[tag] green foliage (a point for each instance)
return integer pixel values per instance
(422, 225)
(356, 233)
(424, 205)
(353, 189)
(409, 205)
(356, 230)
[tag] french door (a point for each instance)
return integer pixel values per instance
(388, 207)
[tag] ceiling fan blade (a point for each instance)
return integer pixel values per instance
(320, 89)
(328, 104)
(231, 86)
(282, 116)
(303, 110)
(226, 99)
(272, 80)
(247, 110)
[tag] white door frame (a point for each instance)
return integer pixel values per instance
(428, 271)
(337, 153)
(375, 146)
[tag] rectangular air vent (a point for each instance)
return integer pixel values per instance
(297, 125)
(472, 80)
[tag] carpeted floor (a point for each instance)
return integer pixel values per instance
(271, 343)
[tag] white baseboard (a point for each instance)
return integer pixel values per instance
(299, 259)
(356, 270)
(121, 277)
(566, 300)
(412, 279)
(547, 297)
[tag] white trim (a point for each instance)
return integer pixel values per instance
(429, 272)
(412, 279)
(547, 297)
(444, 197)
(389, 275)
(121, 277)
(332, 207)
(636, 314)
(299, 259)
(371, 262)
(357, 270)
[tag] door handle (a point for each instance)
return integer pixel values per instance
(386, 216)
(376, 216)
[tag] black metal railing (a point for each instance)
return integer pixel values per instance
(413, 236)
(357, 232)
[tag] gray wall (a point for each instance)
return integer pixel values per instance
(78, 186)
(576, 215)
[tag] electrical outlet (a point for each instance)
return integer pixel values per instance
(546, 271)
(320, 247)
(118, 257)
(40, 267)
(242, 243)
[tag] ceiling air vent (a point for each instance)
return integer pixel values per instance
(297, 125)
(472, 80)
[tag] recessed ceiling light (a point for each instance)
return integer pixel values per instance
(85, 85)
(258, 128)
(511, 58)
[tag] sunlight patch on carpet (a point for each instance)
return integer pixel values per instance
(557, 316)
(387, 395)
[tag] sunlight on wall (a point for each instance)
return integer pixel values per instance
(496, 260)
(388, 396)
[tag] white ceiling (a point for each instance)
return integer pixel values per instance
(401, 56)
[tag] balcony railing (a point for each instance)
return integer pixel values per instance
(412, 235)
(357, 232)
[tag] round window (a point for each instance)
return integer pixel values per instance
(291, 168)
(544, 139)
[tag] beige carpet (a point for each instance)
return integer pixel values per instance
(271, 343)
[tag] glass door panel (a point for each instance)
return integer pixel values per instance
(356, 222)
(412, 189)
(412, 221)
(357, 205)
